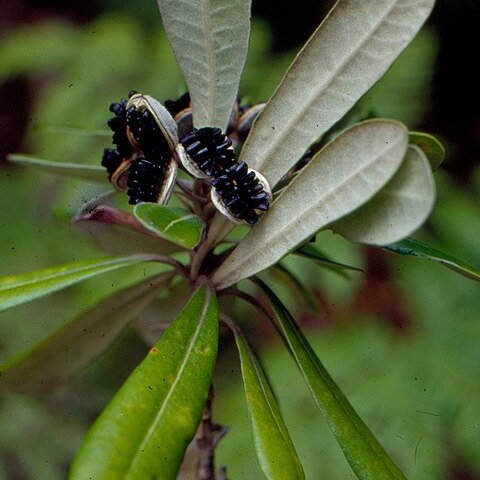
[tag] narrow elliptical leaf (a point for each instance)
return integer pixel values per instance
(92, 173)
(174, 224)
(313, 253)
(144, 431)
(25, 287)
(79, 341)
(346, 55)
(414, 248)
(339, 179)
(364, 453)
(398, 209)
(275, 450)
(210, 41)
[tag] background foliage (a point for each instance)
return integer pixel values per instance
(400, 339)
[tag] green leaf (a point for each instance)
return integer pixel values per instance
(117, 232)
(275, 450)
(397, 210)
(364, 453)
(313, 253)
(210, 41)
(79, 341)
(301, 289)
(75, 131)
(25, 287)
(430, 146)
(414, 248)
(340, 178)
(174, 224)
(92, 173)
(145, 429)
(347, 54)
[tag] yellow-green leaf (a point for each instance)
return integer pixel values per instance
(144, 431)
(25, 287)
(174, 224)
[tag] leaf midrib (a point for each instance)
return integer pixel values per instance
(331, 387)
(171, 390)
(332, 193)
(341, 68)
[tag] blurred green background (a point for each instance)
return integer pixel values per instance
(400, 339)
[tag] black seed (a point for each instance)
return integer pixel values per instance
(145, 180)
(111, 160)
(241, 192)
(146, 132)
(210, 149)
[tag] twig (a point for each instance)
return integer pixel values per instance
(205, 443)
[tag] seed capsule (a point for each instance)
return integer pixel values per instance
(206, 152)
(143, 163)
(247, 117)
(241, 194)
(163, 119)
(181, 111)
(151, 181)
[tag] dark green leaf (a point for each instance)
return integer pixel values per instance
(92, 173)
(313, 253)
(79, 341)
(275, 450)
(430, 146)
(78, 131)
(412, 247)
(174, 224)
(24, 287)
(143, 432)
(366, 456)
(302, 290)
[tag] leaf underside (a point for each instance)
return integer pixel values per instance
(210, 41)
(346, 55)
(339, 179)
(397, 210)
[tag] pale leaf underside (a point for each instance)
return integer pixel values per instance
(346, 55)
(210, 42)
(339, 179)
(398, 209)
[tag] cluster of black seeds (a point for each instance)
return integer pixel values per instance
(147, 171)
(145, 179)
(210, 149)
(113, 157)
(146, 145)
(241, 192)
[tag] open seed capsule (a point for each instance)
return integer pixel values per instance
(151, 181)
(181, 111)
(241, 194)
(143, 163)
(161, 116)
(206, 152)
